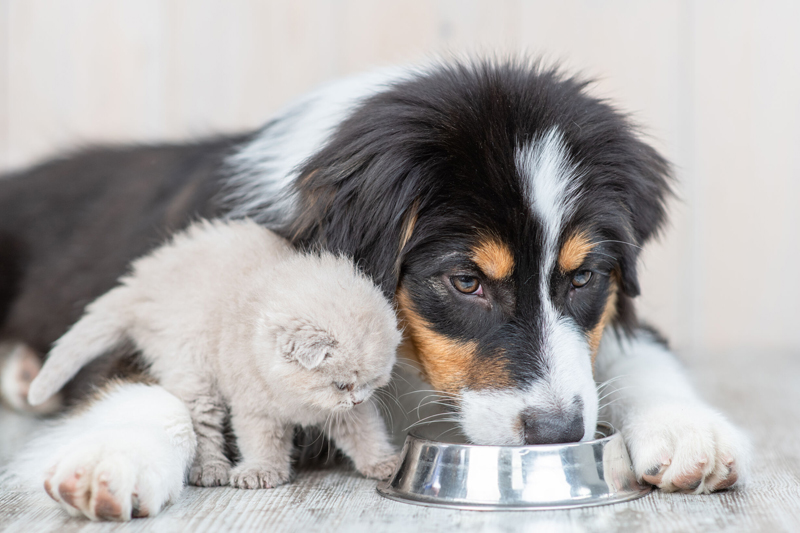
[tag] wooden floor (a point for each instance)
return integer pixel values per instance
(760, 391)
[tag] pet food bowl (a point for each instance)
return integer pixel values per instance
(545, 476)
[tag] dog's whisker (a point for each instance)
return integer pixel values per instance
(431, 391)
(437, 417)
(612, 402)
(608, 382)
(612, 392)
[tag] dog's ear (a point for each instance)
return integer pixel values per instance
(647, 192)
(345, 208)
(306, 344)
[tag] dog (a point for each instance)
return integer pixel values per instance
(498, 204)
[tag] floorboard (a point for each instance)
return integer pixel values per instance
(761, 392)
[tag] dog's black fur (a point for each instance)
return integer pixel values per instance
(70, 227)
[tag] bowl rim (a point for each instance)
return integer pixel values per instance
(413, 434)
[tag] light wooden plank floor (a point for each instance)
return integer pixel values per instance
(760, 391)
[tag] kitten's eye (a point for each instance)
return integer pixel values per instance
(345, 386)
(581, 278)
(467, 285)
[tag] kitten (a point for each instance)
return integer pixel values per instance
(232, 320)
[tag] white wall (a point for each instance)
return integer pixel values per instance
(715, 82)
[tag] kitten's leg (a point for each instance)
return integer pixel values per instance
(18, 367)
(125, 455)
(676, 441)
(266, 447)
(361, 434)
(211, 468)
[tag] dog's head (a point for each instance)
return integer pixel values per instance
(504, 209)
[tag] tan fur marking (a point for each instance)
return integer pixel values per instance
(409, 223)
(610, 310)
(448, 365)
(493, 257)
(574, 251)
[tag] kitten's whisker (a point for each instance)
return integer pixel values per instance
(386, 409)
(391, 396)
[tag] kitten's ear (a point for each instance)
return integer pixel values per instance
(305, 344)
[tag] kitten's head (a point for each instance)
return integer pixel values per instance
(336, 334)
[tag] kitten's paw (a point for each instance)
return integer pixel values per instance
(19, 368)
(259, 476)
(210, 474)
(381, 470)
(114, 476)
(686, 447)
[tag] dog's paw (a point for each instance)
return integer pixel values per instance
(685, 447)
(20, 367)
(210, 474)
(113, 476)
(260, 476)
(381, 470)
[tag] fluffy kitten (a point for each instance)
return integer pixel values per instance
(232, 320)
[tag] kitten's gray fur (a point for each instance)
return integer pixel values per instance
(229, 317)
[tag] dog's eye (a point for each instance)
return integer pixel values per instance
(467, 284)
(581, 278)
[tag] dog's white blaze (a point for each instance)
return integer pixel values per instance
(551, 182)
(264, 167)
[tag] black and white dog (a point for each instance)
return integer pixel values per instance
(500, 206)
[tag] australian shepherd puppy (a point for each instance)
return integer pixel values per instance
(500, 206)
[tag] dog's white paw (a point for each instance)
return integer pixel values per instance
(115, 474)
(686, 447)
(260, 476)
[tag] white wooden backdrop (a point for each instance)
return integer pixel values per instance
(715, 82)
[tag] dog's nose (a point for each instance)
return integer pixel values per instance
(543, 428)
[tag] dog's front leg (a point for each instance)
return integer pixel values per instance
(676, 441)
(122, 456)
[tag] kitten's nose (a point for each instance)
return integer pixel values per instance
(356, 402)
(541, 428)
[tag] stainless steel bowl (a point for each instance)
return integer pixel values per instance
(552, 476)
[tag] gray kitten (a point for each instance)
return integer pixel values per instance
(230, 317)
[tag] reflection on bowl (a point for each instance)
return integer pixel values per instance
(551, 476)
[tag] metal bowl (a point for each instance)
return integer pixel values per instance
(551, 476)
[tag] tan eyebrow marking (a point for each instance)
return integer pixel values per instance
(493, 257)
(409, 222)
(574, 251)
